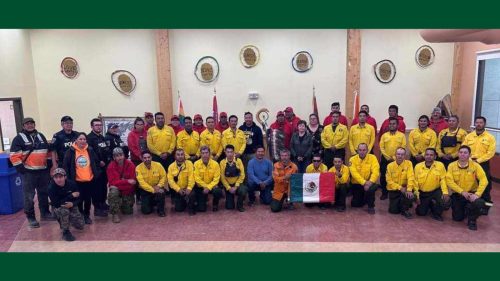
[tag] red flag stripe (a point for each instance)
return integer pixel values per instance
(326, 187)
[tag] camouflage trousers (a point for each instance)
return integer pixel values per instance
(69, 216)
(119, 202)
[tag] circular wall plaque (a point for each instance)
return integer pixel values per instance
(249, 56)
(424, 56)
(123, 81)
(302, 61)
(207, 69)
(69, 67)
(385, 71)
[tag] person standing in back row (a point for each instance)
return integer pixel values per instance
(253, 135)
(97, 142)
(62, 141)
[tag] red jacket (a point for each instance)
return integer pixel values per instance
(134, 140)
(385, 126)
(198, 129)
(328, 120)
(370, 120)
(118, 176)
(438, 126)
(287, 131)
(221, 128)
(293, 124)
(146, 126)
(176, 129)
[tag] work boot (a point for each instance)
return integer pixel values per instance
(68, 236)
(87, 220)
(371, 210)
(406, 214)
(383, 196)
(340, 209)
(472, 224)
(215, 208)
(115, 218)
(100, 212)
(33, 223)
(241, 209)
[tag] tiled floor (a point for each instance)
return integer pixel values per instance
(258, 229)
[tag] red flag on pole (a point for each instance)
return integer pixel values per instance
(315, 104)
(215, 109)
(356, 104)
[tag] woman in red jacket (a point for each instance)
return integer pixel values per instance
(121, 182)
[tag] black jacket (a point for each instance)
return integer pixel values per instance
(113, 141)
(60, 195)
(69, 163)
(98, 144)
(302, 149)
(253, 135)
(61, 142)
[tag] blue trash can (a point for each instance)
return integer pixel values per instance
(11, 188)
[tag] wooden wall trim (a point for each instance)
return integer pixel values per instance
(163, 70)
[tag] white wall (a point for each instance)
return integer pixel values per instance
(415, 90)
(273, 78)
(16, 70)
(99, 53)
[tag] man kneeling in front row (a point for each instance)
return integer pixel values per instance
(64, 197)
(121, 181)
(400, 184)
(468, 181)
(151, 177)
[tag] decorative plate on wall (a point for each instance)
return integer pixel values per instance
(69, 68)
(249, 56)
(302, 61)
(123, 81)
(424, 56)
(385, 71)
(207, 69)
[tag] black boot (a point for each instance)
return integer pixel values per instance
(33, 223)
(68, 236)
(87, 220)
(47, 216)
(472, 224)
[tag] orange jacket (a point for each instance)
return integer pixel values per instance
(281, 185)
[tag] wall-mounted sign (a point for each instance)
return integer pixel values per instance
(123, 81)
(249, 56)
(69, 68)
(207, 69)
(424, 56)
(385, 71)
(302, 61)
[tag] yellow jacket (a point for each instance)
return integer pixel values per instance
(185, 176)
(430, 179)
(390, 142)
(344, 170)
(419, 141)
(147, 178)
(363, 170)
(238, 140)
(190, 143)
(212, 140)
(358, 134)
(206, 176)
(398, 176)
(322, 169)
(161, 140)
(229, 181)
(466, 179)
(339, 138)
(453, 151)
(482, 146)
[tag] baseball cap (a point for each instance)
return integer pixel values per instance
(280, 113)
(117, 151)
(112, 125)
(223, 114)
(147, 114)
(27, 120)
(289, 109)
(198, 116)
(59, 171)
(174, 117)
(66, 118)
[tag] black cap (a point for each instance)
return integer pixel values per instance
(27, 120)
(112, 125)
(66, 118)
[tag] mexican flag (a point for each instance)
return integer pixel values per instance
(312, 188)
